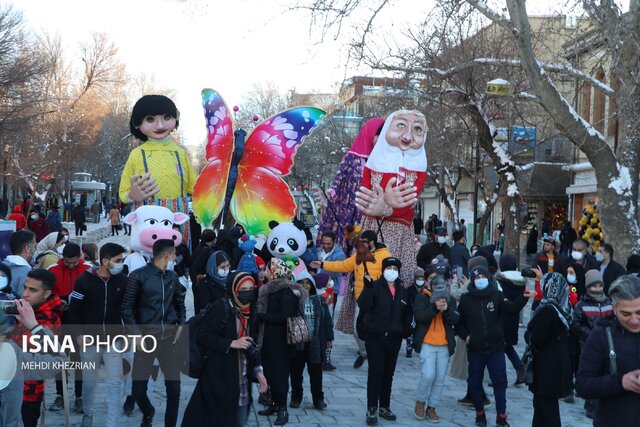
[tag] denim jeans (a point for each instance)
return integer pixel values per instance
(495, 363)
(114, 382)
(434, 362)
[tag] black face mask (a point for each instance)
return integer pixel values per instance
(246, 297)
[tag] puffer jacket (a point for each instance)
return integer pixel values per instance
(349, 265)
(383, 314)
(480, 317)
(151, 303)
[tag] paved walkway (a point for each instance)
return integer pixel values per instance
(345, 391)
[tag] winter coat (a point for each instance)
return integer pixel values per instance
(383, 314)
(19, 269)
(532, 241)
(151, 301)
(552, 374)
(205, 292)
(587, 313)
(349, 265)
(322, 328)
(96, 301)
(336, 254)
(429, 251)
(18, 217)
(11, 396)
(616, 406)
(460, 257)
(114, 216)
(65, 278)
(611, 273)
(277, 302)
(424, 311)
(53, 219)
(79, 216)
(48, 314)
(214, 401)
(513, 285)
(481, 317)
(199, 259)
(39, 227)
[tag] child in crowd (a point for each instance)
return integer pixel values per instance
(414, 289)
(313, 353)
(593, 306)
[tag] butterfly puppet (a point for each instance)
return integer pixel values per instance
(260, 194)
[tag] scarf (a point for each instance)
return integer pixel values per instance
(555, 291)
(244, 309)
(212, 270)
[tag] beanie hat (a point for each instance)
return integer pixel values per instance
(508, 263)
(477, 261)
(440, 265)
(592, 278)
(419, 272)
(322, 279)
(150, 105)
(391, 261)
(478, 271)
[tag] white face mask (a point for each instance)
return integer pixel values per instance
(34, 217)
(66, 237)
(442, 239)
(474, 252)
(171, 264)
(4, 282)
(420, 283)
(576, 255)
(571, 278)
(481, 283)
(116, 268)
(599, 257)
(390, 275)
(223, 272)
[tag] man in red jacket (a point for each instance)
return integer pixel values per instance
(47, 307)
(67, 270)
(37, 224)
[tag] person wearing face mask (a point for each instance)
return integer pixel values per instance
(155, 287)
(222, 396)
(386, 320)
(313, 353)
(481, 310)
(432, 249)
(593, 306)
(6, 294)
(37, 224)
(214, 285)
(548, 261)
(415, 289)
(49, 250)
(94, 309)
(609, 268)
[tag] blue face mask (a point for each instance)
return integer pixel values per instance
(481, 283)
(4, 282)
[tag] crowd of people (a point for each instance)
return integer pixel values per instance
(460, 314)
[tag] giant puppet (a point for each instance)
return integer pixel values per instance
(158, 172)
(340, 207)
(392, 179)
(260, 195)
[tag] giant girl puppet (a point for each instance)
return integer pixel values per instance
(158, 172)
(392, 179)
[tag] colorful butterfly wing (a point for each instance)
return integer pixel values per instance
(209, 190)
(261, 195)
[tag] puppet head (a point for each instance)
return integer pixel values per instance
(150, 223)
(152, 106)
(287, 238)
(401, 145)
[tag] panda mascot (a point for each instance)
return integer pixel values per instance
(287, 241)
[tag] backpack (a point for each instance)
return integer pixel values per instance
(190, 356)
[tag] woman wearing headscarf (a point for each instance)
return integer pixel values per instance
(214, 285)
(49, 250)
(277, 300)
(223, 392)
(548, 334)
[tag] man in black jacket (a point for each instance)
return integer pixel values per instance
(459, 253)
(615, 382)
(94, 311)
(386, 320)
(610, 269)
(153, 305)
(480, 327)
(432, 249)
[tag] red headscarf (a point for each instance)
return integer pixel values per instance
(243, 309)
(363, 144)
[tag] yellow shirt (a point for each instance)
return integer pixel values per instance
(173, 173)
